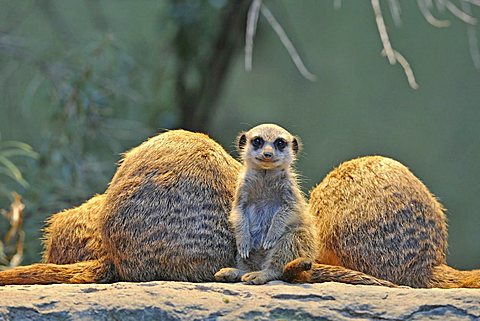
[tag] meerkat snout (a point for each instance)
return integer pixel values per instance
(268, 146)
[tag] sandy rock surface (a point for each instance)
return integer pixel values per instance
(217, 301)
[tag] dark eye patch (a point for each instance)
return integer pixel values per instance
(257, 142)
(280, 143)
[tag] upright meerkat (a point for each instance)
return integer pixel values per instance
(269, 215)
(164, 216)
(375, 218)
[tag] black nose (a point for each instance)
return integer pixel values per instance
(267, 155)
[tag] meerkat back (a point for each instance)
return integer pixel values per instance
(373, 215)
(166, 209)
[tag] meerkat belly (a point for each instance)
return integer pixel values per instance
(260, 217)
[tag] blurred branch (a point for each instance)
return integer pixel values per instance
(198, 104)
(252, 20)
(395, 11)
(337, 4)
(459, 13)
(382, 30)
(392, 55)
(226, 44)
(472, 36)
(406, 68)
(425, 7)
(282, 35)
(15, 218)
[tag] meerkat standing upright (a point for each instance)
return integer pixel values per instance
(270, 218)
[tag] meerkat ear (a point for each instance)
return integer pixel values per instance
(241, 141)
(296, 145)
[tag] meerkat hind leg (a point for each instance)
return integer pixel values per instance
(286, 249)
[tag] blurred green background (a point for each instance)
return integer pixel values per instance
(83, 81)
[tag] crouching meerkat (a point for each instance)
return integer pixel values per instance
(164, 216)
(270, 218)
(377, 221)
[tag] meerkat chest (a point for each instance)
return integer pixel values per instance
(260, 215)
(263, 201)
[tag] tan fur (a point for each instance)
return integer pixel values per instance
(96, 271)
(269, 215)
(163, 217)
(375, 217)
(303, 270)
(73, 235)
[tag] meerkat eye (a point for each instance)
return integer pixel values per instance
(280, 143)
(257, 142)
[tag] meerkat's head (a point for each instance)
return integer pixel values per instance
(268, 146)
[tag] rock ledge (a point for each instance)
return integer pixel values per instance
(217, 301)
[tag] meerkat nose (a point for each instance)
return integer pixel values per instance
(267, 154)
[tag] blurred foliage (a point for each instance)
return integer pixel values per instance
(88, 84)
(13, 155)
(10, 152)
(12, 245)
(89, 90)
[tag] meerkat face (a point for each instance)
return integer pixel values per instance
(268, 146)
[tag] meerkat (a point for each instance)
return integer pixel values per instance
(269, 214)
(164, 216)
(375, 219)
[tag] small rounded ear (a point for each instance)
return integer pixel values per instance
(296, 145)
(241, 141)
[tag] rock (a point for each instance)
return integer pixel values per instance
(212, 301)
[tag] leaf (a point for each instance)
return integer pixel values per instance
(13, 169)
(6, 172)
(15, 144)
(18, 152)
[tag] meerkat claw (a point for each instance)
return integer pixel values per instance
(244, 251)
(268, 244)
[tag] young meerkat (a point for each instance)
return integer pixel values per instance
(270, 218)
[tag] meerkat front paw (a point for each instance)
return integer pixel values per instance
(244, 248)
(269, 241)
(229, 275)
(257, 277)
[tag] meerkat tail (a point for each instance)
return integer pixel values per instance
(305, 271)
(95, 271)
(446, 277)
